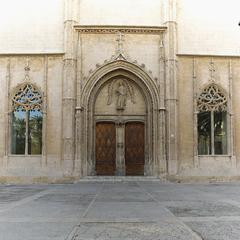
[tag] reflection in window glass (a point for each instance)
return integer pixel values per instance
(212, 133)
(27, 121)
(204, 133)
(34, 132)
(212, 121)
(220, 133)
(18, 132)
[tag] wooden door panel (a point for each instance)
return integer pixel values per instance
(134, 148)
(105, 148)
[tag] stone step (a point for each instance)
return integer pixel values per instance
(120, 179)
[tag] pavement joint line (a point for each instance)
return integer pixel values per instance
(38, 220)
(25, 200)
(92, 202)
(230, 201)
(121, 179)
(210, 219)
(194, 234)
(127, 220)
(72, 234)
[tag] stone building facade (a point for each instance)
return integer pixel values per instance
(146, 92)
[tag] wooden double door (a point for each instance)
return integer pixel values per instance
(119, 149)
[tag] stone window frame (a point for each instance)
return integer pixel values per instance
(218, 102)
(28, 105)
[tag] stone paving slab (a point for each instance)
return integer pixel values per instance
(198, 209)
(126, 210)
(13, 194)
(133, 231)
(227, 230)
(183, 195)
(78, 188)
(51, 210)
(123, 197)
(35, 231)
(79, 199)
(229, 190)
(120, 211)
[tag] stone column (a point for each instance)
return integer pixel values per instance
(120, 161)
(171, 87)
(69, 83)
(162, 110)
(195, 113)
(7, 118)
(44, 110)
(231, 126)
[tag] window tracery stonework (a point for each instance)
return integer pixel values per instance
(212, 99)
(27, 98)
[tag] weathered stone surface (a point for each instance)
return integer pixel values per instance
(198, 209)
(227, 230)
(133, 231)
(119, 211)
(78, 69)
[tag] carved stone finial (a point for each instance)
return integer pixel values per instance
(120, 51)
(212, 71)
(120, 40)
(27, 70)
(161, 44)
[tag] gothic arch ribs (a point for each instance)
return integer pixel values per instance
(148, 88)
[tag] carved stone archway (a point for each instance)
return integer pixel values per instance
(131, 75)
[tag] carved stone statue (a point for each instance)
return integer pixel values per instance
(121, 96)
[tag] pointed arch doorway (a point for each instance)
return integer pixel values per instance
(120, 123)
(119, 116)
(119, 155)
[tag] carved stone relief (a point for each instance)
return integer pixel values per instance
(123, 91)
(27, 70)
(120, 96)
(212, 72)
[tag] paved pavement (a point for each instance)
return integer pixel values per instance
(127, 210)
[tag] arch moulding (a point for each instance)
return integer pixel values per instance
(85, 122)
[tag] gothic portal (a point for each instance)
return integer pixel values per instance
(119, 122)
(92, 93)
(119, 116)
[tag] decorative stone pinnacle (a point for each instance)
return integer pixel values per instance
(161, 44)
(27, 70)
(212, 70)
(120, 40)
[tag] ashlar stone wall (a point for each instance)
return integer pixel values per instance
(45, 73)
(194, 73)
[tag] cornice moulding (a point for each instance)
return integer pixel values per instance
(30, 54)
(108, 29)
(206, 55)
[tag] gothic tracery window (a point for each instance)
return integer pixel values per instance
(26, 121)
(212, 121)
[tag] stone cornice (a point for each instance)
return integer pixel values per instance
(108, 29)
(206, 55)
(30, 54)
